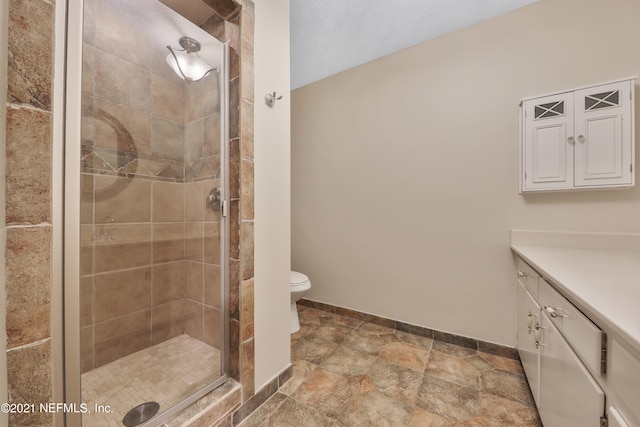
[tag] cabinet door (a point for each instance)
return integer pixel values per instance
(615, 419)
(569, 396)
(548, 148)
(624, 376)
(603, 135)
(528, 316)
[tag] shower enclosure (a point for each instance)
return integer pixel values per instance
(145, 314)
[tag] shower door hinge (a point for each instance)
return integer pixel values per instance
(224, 208)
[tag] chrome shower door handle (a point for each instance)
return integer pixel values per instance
(214, 199)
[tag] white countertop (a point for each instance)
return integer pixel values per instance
(602, 282)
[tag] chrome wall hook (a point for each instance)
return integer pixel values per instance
(270, 99)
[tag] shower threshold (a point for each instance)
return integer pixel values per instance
(166, 373)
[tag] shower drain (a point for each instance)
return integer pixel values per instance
(141, 414)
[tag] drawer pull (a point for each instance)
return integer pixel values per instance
(524, 274)
(530, 317)
(552, 311)
(538, 336)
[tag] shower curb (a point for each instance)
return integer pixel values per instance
(212, 409)
(223, 407)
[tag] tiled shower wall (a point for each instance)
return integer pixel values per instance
(28, 197)
(152, 274)
(151, 154)
(28, 223)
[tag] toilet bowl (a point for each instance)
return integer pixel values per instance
(300, 284)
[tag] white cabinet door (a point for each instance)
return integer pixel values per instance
(578, 139)
(602, 134)
(548, 148)
(528, 316)
(569, 396)
(615, 419)
(624, 375)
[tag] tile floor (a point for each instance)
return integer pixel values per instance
(353, 373)
(165, 373)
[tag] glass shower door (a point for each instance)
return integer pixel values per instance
(152, 264)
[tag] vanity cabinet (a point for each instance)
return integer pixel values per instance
(565, 392)
(585, 289)
(579, 139)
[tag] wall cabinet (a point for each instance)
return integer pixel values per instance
(579, 139)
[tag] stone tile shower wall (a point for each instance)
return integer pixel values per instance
(151, 154)
(28, 223)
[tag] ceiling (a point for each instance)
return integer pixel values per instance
(330, 36)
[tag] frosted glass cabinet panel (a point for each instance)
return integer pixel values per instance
(578, 139)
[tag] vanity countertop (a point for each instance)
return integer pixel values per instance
(602, 282)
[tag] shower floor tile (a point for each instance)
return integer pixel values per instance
(351, 373)
(165, 373)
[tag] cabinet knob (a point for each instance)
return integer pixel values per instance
(581, 139)
(571, 140)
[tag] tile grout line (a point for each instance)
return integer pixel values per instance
(30, 345)
(14, 226)
(27, 106)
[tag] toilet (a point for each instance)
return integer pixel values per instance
(300, 284)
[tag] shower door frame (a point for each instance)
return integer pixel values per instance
(73, 43)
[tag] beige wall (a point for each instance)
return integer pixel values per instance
(272, 190)
(405, 169)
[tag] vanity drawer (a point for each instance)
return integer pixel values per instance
(528, 277)
(583, 335)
